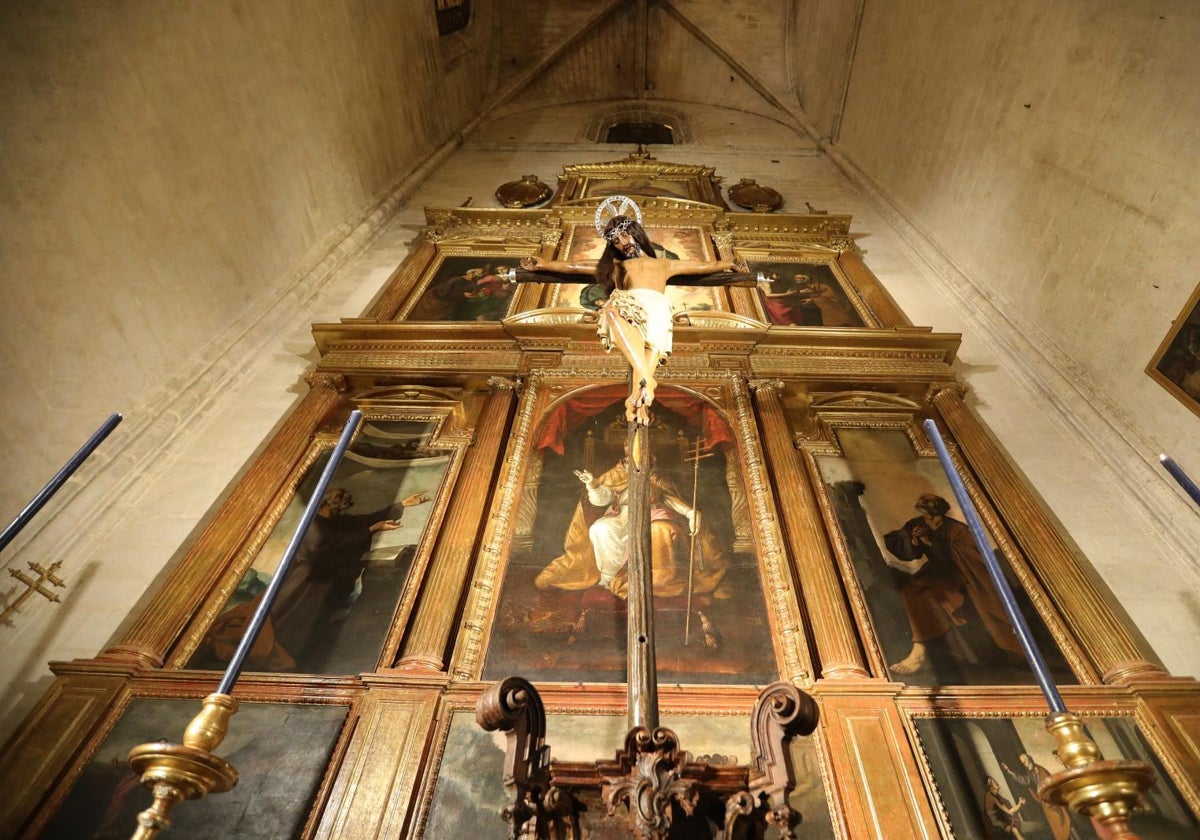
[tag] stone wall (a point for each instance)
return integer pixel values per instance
(170, 172)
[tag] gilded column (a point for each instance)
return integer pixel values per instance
(837, 642)
(427, 643)
(151, 637)
(1117, 656)
(403, 282)
(870, 289)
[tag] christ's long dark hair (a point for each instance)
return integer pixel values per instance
(606, 268)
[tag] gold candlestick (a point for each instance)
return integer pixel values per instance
(175, 772)
(1106, 791)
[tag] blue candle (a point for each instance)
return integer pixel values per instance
(59, 479)
(1180, 476)
(268, 598)
(1034, 656)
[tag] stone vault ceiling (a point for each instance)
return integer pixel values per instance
(716, 52)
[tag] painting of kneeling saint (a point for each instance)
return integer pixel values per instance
(938, 617)
(988, 771)
(336, 605)
(562, 610)
(264, 805)
(805, 295)
(466, 289)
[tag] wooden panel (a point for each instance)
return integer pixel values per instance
(45, 745)
(882, 795)
(373, 793)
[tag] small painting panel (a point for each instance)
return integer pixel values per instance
(264, 805)
(562, 609)
(987, 771)
(1176, 365)
(639, 187)
(469, 792)
(466, 289)
(336, 606)
(670, 243)
(805, 295)
(937, 616)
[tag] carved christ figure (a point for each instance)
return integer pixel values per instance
(636, 317)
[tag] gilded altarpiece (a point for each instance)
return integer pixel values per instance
(801, 533)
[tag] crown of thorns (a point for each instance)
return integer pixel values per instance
(615, 207)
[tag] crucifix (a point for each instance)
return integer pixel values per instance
(652, 776)
(636, 317)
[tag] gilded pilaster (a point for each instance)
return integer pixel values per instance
(374, 789)
(884, 797)
(1114, 652)
(871, 290)
(837, 643)
(427, 644)
(50, 737)
(151, 637)
(402, 283)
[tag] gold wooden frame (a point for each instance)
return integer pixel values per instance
(814, 257)
(1029, 704)
(444, 437)
(1190, 312)
(546, 388)
(168, 686)
(579, 181)
(873, 419)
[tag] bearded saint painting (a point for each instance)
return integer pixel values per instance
(562, 609)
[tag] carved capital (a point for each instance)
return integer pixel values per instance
(502, 383)
(936, 389)
(551, 237)
(336, 382)
(767, 386)
(723, 239)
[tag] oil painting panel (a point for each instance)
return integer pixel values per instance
(466, 289)
(804, 295)
(562, 608)
(336, 606)
(1176, 365)
(264, 805)
(987, 771)
(638, 186)
(671, 243)
(936, 614)
(469, 792)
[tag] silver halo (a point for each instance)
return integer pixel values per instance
(616, 205)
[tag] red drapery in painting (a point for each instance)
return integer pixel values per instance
(571, 413)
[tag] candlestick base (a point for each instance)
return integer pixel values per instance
(175, 772)
(1106, 791)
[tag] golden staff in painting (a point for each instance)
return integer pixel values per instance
(636, 318)
(696, 453)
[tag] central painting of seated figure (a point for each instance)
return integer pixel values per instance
(562, 610)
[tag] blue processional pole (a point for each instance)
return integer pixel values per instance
(264, 607)
(1034, 656)
(59, 479)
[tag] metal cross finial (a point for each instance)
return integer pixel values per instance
(33, 585)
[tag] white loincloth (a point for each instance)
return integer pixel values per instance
(647, 310)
